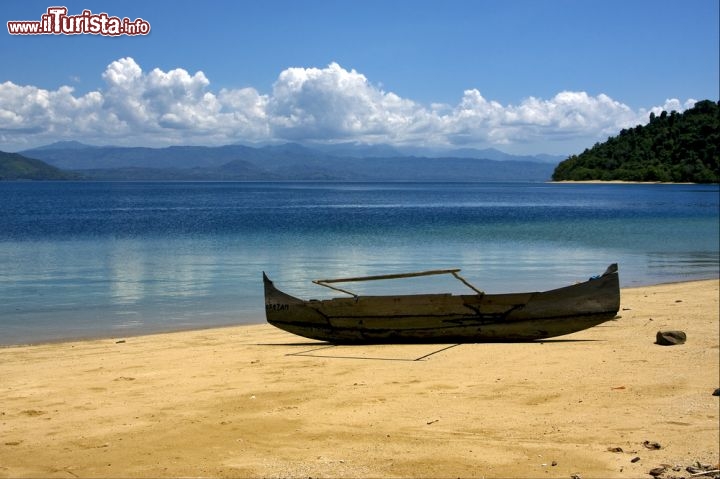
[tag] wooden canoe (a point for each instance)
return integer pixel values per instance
(445, 318)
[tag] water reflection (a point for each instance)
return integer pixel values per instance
(125, 273)
(137, 270)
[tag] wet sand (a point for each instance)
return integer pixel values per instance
(254, 401)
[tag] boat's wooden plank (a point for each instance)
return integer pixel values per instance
(392, 306)
(418, 305)
(397, 323)
(497, 303)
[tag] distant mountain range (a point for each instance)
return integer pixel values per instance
(291, 161)
(356, 150)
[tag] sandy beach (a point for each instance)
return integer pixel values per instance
(621, 182)
(254, 401)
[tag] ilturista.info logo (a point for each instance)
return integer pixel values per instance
(57, 22)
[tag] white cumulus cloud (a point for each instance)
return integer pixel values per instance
(566, 115)
(331, 104)
(335, 104)
(28, 110)
(176, 107)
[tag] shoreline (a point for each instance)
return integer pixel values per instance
(252, 322)
(138, 334)
(254, 401)
(623, 182)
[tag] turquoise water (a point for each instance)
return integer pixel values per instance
(100, 259)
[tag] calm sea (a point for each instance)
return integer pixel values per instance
(112, 259)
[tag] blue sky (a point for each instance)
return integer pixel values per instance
(522, 76)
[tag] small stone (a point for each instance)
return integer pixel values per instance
(670, 338)
(652, 445)
(658, 471)
(554, 463)
(635, 459)
(716, 392)
(575, 476)
(615, 449)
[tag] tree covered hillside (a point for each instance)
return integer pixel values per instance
(671, 148)
(17, 167)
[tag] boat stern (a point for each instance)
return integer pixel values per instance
(573, 308)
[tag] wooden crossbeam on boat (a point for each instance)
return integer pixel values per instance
(454, 272)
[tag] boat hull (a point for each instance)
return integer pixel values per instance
(447, 318)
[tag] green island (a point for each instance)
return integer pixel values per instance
(14, 166)
(672, 147)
